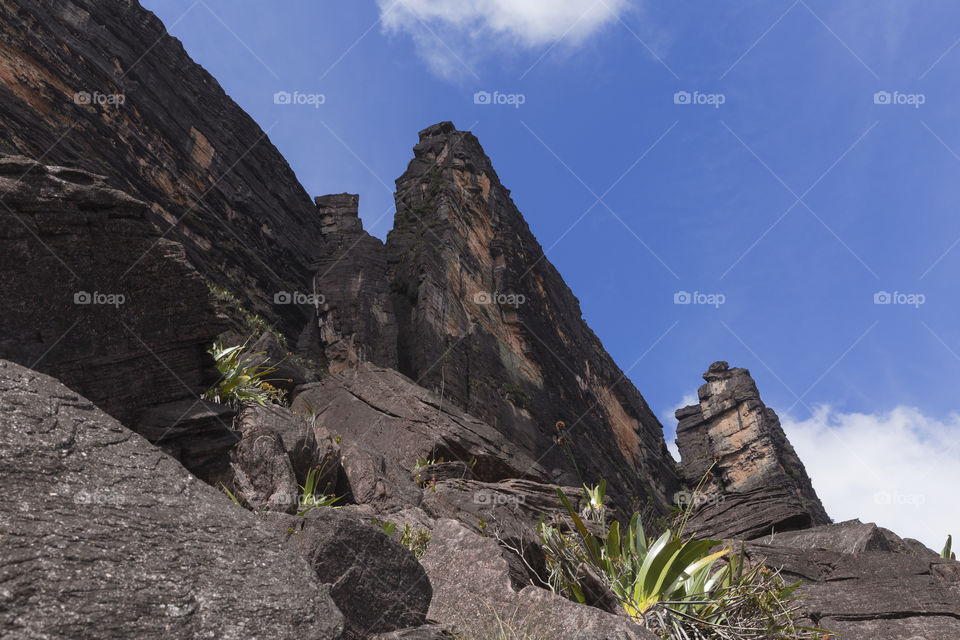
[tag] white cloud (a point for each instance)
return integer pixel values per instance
(451, 34)
(669, 421)
(899, 469)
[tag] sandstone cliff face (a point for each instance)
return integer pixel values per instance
(755, 481)
(354, 306)
(93, 295)
(97, 84)
(485, 320)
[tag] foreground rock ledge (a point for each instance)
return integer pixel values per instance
(104, 536)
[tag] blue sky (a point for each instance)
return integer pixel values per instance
(797, 198)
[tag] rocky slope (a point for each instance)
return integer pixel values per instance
(443, 288)
(104, 536)
(450, 353)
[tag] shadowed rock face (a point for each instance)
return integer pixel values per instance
(485, 319)
(755, 482)
(162, 130)
(104, 536)
(355, 314)
(93, 295)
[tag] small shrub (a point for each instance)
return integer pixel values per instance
(415, 540)
(253, 324)
(517, 396)
(422, 462)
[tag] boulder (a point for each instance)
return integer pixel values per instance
(104, 536)
(387, 424)
(472, 591)
(377, 584)
(852, 536)
(263, 476)
(305, 447)
(869, 595)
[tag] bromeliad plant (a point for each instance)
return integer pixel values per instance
(679, 587)
(242, 379)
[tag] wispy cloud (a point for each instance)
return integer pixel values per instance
(897, 469)
(452, 35)
(669, 421)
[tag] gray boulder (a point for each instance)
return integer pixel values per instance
(387, 423)
(306, 447)
(263, 476)
(472, 591)
(851, 536)
(868, 595)
(104, 536)
(377, 584)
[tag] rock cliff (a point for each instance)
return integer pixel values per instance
(93, 295)
(462, 300)
(732, 447)
(99, 85)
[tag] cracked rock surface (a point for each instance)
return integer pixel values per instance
(104, 536)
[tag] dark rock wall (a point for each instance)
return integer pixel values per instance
(214, 181)
(354, 307)
(485, 320)
(92, 295)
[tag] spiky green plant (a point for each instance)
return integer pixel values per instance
(947, 553)
(680, 587)
(310, 497)
(242, 379)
